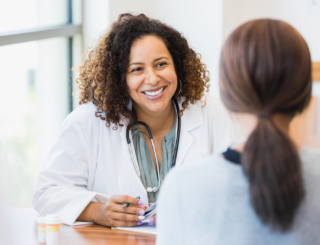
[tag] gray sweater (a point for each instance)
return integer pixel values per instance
(210, 204)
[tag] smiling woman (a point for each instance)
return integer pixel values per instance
(121, 49)
(142, 75)
(151, 77)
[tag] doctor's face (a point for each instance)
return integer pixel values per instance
(151, 77)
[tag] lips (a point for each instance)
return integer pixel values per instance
(154, 92)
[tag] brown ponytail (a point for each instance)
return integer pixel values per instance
(265, 69)
(272, 166)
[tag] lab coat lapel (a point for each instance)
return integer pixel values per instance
(190, 120)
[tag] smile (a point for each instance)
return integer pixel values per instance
(154, 93)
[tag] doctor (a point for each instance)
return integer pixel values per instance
(141, 71)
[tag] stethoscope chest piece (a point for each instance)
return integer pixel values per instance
(154, 189)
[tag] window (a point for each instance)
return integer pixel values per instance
(39, 42)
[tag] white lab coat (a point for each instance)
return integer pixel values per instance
(91, 162)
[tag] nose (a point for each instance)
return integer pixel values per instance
(152, 77)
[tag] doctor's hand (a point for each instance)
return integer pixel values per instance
(152, 220)
(113, 214)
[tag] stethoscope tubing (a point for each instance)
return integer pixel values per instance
(175, 152)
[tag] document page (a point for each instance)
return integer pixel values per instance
(145, 228)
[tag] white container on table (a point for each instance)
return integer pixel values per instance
(52, 229)
(41, 229)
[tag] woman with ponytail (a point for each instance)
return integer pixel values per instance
(263, 189)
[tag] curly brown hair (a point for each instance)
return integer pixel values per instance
(102, 78)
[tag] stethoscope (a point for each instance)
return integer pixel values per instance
(149, 134)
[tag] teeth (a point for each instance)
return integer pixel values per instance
(154, 93)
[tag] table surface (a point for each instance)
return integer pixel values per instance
(23, 229)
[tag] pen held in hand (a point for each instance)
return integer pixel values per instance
(126, 204)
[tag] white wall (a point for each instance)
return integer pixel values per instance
(295, 12)
(236, 12)
(96, 19)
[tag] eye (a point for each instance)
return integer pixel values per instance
(160, 64)
(136, 69)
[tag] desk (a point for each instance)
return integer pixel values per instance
(24, 230)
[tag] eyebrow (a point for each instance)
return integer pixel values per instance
(139, 63)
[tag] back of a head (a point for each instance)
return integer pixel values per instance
(265, 69)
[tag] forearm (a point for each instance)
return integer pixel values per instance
(91, 213)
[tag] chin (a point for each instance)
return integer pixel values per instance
(158, 107)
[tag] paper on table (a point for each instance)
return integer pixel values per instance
(76, 223)
(145, 228)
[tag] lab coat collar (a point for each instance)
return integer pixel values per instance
(190, 120)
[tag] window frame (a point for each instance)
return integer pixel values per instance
(69, 29)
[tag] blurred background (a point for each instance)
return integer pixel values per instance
(41, 40)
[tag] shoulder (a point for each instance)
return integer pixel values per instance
(207, 106)
(310, 153)
(211, 106)
(209, 102)
(83, 117)
(213, 169)
(310, 158)
(213, 102)
(83, 111)
(213, 165)
(215, 107)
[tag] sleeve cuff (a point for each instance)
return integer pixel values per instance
(79, 207)
(100, 198)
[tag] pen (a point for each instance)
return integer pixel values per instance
(126, 204)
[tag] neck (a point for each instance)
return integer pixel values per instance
(158, 122)
(246, 123)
